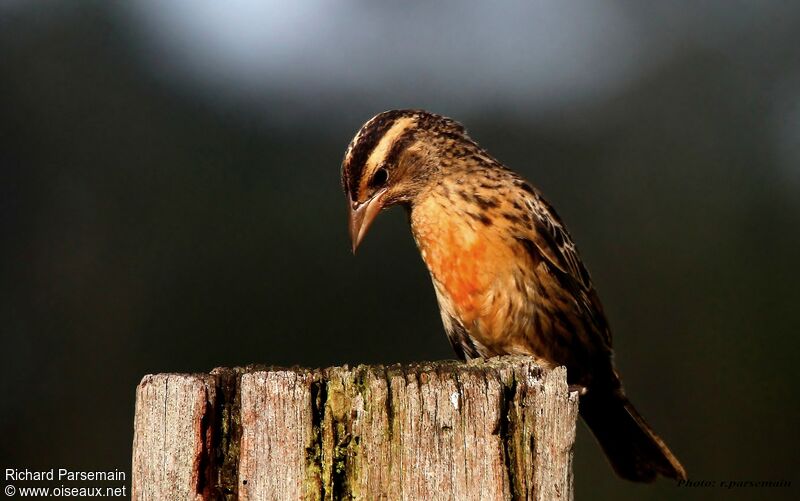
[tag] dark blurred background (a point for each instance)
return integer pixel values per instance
(170, 202)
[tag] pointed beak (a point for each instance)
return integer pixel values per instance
(361, 216)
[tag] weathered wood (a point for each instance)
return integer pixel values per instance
(498, 429)
(170, 436)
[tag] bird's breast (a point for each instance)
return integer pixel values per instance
(472, 265)
(455, 262)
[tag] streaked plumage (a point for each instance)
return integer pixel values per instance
(506, 272)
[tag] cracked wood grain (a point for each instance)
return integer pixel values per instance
(171, 436)
(498, 429)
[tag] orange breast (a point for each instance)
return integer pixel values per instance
(457, 266)
(465, 259)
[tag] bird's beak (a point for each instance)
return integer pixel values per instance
(361, 216)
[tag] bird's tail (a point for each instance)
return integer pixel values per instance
(636, 453)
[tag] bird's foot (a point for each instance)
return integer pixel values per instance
(578, 388)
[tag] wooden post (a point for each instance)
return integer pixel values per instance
(499, 429)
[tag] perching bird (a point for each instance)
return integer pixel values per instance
(507, 275)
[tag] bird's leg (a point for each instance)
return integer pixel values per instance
(579, 388)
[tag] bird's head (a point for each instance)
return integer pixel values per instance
(392, 159)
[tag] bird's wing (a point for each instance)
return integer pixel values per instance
(552, 241)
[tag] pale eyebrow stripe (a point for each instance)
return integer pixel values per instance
(371, 133)
(384, 145)
(361, 133)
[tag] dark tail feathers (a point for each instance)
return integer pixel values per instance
(636, 453)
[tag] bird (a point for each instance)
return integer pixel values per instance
(506, 273)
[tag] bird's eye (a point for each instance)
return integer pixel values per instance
(380, 177)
